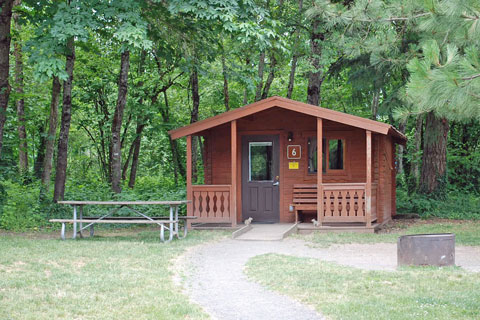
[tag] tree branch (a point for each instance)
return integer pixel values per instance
(471, 77)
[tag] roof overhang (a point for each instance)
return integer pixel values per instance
(315, 111)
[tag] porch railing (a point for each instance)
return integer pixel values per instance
(345, 202)
(212, 203)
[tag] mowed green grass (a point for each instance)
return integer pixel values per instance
(348, 293)
(466, 233)
(127, 275)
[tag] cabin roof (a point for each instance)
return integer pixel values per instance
(280, 102)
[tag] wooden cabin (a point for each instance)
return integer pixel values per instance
(262, 161)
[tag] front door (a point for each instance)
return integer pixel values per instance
(260, 178)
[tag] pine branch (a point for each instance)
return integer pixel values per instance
(471, 77)
(393, 19)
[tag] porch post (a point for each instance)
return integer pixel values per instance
(233, 188)
(368, 188)
(319, 171)
(189, 179)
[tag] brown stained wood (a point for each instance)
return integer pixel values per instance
(189, 178)
(211, 203)
(344, 219)
(320, 208)
(368, 187)
(233, 171)
(204, 210)
(280, 121)
(292, 105)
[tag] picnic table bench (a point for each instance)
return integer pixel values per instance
(171, 223)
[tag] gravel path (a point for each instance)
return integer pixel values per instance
(216, 281)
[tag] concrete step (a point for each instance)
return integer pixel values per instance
(265, 232)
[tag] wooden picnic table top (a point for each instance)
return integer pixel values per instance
(126, 203)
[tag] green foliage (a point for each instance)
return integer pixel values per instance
(414, 56)
(457, 205)
(19, 206)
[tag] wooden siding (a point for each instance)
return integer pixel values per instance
(280, 121)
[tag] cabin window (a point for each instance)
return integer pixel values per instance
(260, 161)
(335, 155)
(312, 155)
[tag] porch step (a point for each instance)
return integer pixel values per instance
(306, 228)
(213, 226)
(265, 232)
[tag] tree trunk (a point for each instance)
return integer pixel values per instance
(226, 97)
(61, 169)
(117, 123)
(293, 68)
(401, 149)
(5, 37)
(291, 78)
(261, 67)
(177, 163)
(375, 101)
(20, 103)
(136, 153)
(271, 76)
(245, 90)
(127, 162)
(414, 167)
(40, 158)
(194, 118)
(52, 133)
(315, 77)
(433, 179)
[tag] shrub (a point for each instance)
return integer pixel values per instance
(20, 207)
(457, 205)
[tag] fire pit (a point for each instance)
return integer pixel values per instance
(426, 250)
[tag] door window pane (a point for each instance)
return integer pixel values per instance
(260, 161)
(335, 154)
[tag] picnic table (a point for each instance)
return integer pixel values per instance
(78, 219)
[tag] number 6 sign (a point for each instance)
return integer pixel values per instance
(294, 152)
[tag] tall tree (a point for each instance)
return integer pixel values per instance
(5, 37)
(193, 119)
(226, 96)
(117, 122)
(62, 154)
(20, 102)
(315, 76)
(52, 133)
(261, 68)
(444, 82)
(296, 53)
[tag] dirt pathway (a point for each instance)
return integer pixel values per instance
(216, 281)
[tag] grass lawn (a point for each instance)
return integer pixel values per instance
(126, 275)
(466, 232)
(348, 293)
